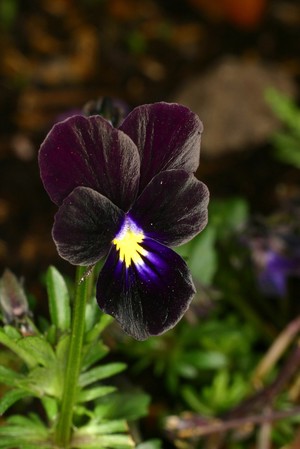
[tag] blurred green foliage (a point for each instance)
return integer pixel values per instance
(8, 13)
(287, 141)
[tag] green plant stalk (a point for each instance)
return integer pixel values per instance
(65, 419)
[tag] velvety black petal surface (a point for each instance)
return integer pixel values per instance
(167, 137)
(89, 152)
(173, 207)
(85, 225)
(149, 298)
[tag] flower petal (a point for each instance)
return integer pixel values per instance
(149, 297)
(167, 137)
(89, 152)
(173, 207)
(85, 226)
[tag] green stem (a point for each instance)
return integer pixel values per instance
(65, 419)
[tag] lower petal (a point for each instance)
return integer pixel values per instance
(149, 296)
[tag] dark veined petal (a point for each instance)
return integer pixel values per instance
(89, 152)
(173, 207)
(150, 295)
(167, 137)
(85, 225)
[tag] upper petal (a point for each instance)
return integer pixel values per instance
(149, 296)
(85, 226)
(173, 207)
(167, 137)
(89, 152)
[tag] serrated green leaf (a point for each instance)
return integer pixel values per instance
(92, 315)
(18, 442)
(100, 372)
(10, 398)
(51, 407)
(62, 349)
(98, 328)
(150, 444)
(43, 380)
(92, 353)
(129, 406)
(14, 346)
(12, 333)
(94, 428)
(104, 441)
(59, 300)
(81, 410)
(12, 443)
(94, 393)
(27, 430)
(31, 422)
(39, 348)
(9, 377)
(51, 334)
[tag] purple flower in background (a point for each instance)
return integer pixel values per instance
(128, 194)
(275, 252)
(274, 276)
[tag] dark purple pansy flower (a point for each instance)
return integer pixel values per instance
(128, 194)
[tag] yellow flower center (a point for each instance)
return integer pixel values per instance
(127, 242)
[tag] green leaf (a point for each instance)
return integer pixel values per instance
(284, 108)
(51, 407)
(12, 333)
(62, 349)
(59, 300)
(185, 250)
(92, 353)
(203, 258)
(104, 441)
(95, 393)
(100, 372)
(9, 377)
(204, 359)
(14, 346)
(129, 406)
(98, 328)
(43, 380)
(12, 443)
(94, 428)
(194, 402)
(92, 314)
(39, 348)
(10, 398)
(228, 215)
(288, 149)
(150, 444)
(24, 433)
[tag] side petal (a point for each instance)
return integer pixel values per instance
(173, 207)
(85, 226)
(89, 152)
(147, 298)
(167, 137)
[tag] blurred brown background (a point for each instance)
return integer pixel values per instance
(216, 57)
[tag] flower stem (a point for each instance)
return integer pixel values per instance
(65, 419)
